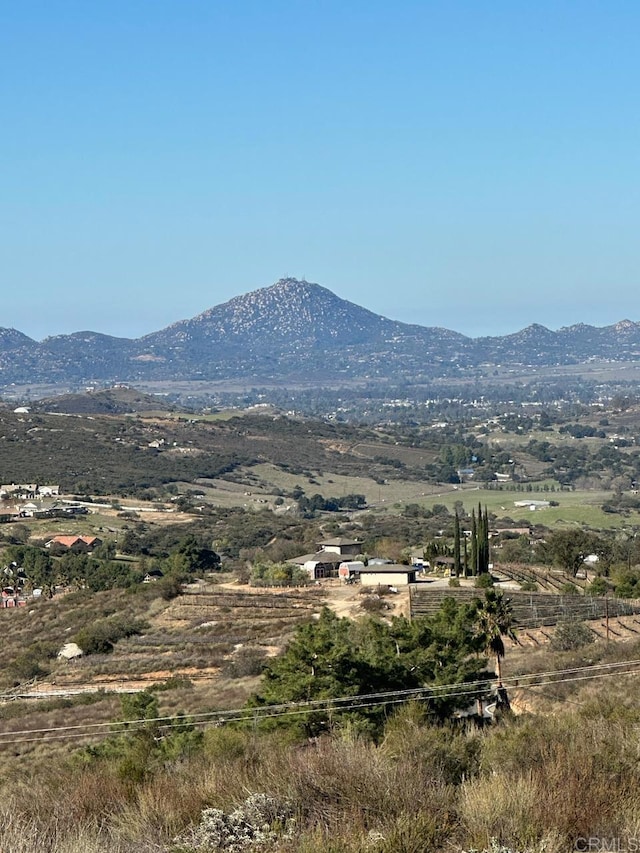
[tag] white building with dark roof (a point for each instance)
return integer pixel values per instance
(392, 574)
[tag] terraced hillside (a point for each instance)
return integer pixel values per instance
(196, 636)
(530, 609)
(201, 651)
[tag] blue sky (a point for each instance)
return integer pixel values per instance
(473, 165)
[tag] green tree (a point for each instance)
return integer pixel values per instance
(190, 556)
(37, 564)
(144, 742)
(482, 541)
(101, 635)
(479, 542)
(277, 574)
(336, 658)
(474, 544)
(465, 567)
(570, 635)
(457, 565)
(516, 550)
(569, 548)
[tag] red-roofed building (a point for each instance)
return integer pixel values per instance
(79, 544)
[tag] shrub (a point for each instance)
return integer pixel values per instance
(260, 820)
(452, 754)
(169, 587)
(506, 808)
(496, 847)
(278, 574)
(32, 662)
(598, 586)
(247, 661)
(226, 744)
(101, 636)
(174, 682)
(373, 604)
(571, 635)
(379, 590)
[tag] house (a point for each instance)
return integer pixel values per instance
(343, 547)
(417, 558)
(7, 517)
(508, 532)
(21, 491)
(28, 491)
(443, 562)
(48, 491)
(11, 597)
(465, 474)
(153, 576)
(78, 544)
(322, 564)
(391, 574)
(325, 562)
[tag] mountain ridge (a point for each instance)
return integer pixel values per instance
(297, 329)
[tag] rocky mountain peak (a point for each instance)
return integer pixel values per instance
(291, 312)
(297, 330)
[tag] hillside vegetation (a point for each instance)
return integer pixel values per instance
(536, 782)
(180, 728)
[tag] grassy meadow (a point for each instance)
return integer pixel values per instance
(579, 507)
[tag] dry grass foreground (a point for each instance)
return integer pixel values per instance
(565, 769)
(536, 783)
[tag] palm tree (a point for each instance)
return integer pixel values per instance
(493, 623)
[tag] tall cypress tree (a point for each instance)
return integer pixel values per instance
(482, 541)
(456, 546)
(465, 569)
(481, 568)
(474, 544)
(486, 539)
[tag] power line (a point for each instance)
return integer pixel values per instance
(342, 703)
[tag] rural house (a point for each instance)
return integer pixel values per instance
(19, 491)
(343, 547)
(77, 544)
(322, 564)
(325, 562)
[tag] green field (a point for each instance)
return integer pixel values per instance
(261, 484)
(579, 507)
(337, 485)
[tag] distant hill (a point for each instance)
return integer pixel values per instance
(297, 331)
(111, 401)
